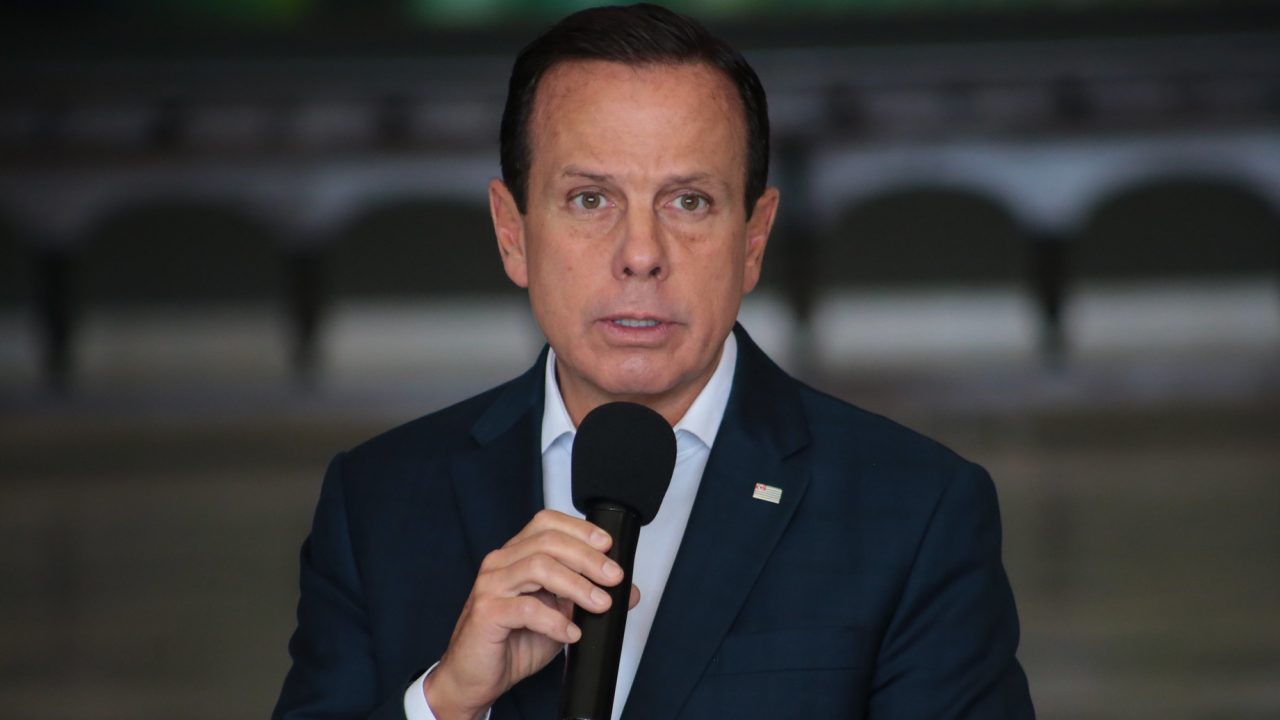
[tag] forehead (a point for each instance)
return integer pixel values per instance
(664, 111)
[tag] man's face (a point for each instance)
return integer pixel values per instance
(635, 245)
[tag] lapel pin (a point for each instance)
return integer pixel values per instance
(768, 493)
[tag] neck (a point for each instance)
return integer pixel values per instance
(581, 398)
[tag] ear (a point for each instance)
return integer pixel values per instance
(758, 228)
(508, 227)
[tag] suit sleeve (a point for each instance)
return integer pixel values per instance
(949, 651)
(333, 673)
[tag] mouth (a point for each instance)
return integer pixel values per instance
(635, 322)
(636, 329)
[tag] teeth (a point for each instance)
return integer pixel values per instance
(626, 322)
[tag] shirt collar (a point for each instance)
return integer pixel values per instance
(702, 419)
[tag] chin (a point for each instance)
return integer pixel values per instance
(636, 384)
(635, 388)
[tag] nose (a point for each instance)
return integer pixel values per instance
(641, 250)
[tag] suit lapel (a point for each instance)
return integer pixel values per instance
(498, 487)
(498, 481)
(730, 534)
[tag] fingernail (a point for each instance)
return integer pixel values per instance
(599, 597)
(612, 569)
(599, 538)
(574, 633)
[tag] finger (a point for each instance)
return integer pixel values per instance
(543, 572)
(546, 520)
(565, 606)
(525, 612)
(566, 549)
(634, 599)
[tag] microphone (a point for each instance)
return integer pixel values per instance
(623, 457)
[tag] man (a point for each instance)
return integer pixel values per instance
(810, 560)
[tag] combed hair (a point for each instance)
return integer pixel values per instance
(641, 34)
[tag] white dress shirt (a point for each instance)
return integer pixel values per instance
(660, 539)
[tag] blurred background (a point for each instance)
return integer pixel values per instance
(238, 236)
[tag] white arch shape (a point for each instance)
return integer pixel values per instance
(1050, 186)
(302, 202)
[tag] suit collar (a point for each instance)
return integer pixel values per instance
(515, 400)
(497, 481)
(730, 534)
(498, 487)
(765, 402)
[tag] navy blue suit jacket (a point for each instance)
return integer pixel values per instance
(874, 589)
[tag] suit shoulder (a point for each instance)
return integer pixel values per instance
(444, 430)
(874, 438)
(887, 469)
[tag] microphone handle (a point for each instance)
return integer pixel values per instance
(591, 664)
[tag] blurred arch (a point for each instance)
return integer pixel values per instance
(950, 254)
(173, 259)
(415, 280)
(1185, 225)
(1188, 261)
(923, 234)
(179, 250)
(409, 247)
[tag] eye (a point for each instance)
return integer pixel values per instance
(588, 200)
(692, 202)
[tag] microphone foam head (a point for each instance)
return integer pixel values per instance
(624, 453)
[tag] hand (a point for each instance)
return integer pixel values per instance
(519, 613)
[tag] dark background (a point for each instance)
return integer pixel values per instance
(237, 237)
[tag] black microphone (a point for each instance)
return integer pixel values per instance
(623, 457)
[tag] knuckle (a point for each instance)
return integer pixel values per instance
(484, 608)
(557, 544)
(539, 538)
(490, 562)
(527, 607)
(541, 566)
(556, 540)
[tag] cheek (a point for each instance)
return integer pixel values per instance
(720, 264)
(558, 285)
(721, 282)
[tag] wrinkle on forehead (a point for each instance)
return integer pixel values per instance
(559, 85)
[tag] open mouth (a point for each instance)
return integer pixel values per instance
(637, 331)
(634, 323)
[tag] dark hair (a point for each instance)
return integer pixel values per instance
(639, 34)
